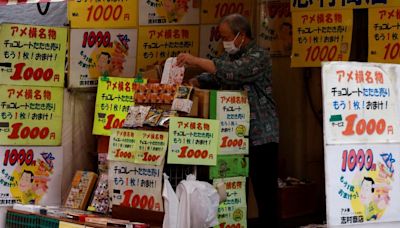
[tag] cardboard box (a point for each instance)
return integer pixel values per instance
(297, 200)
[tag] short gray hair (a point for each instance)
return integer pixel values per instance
(237, 23)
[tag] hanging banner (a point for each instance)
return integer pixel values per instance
(210, 42)
(161, 12)
(14, 2)
(233, 111)
(105, 52)
(137, 186)
(361, 102)
(275, 27)
(233, 211)
(32, 55)
(55, 15)
(193, 141)
(31, 175)
(213, 11)
(362, 184)
(317, 5)
(384, 35)
(113, 99)
(30, 115)
(102, 14)
(157, 43)
(230, 166)
(321, 36)
(136, 146)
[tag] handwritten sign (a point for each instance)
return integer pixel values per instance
(103, 14)
(159, 12)
(30, 175)
(136, 146)
(360, 102)
(383, 35)
(157, 43)
(137, 186)
(275, 27)
(113, 99)
(233, 211)
(233, 111)
(32, 55)
(361, 183)
(30, 115)
(321, 36)
(230, 166)
(213, 11)
(210, 42)
(101, 52)
(317, 5)
(193, 141)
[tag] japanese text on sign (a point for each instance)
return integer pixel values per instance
(30, 115)
(322, 36)
(137, 186)
(102, 14)
(356, 95)
(141, 147)
(157, 43)
(315, 5)
(193, 141)
(32, 55)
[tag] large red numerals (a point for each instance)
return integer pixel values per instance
(142, 202)
(113, 122)
(392, 51)
(28, 73)
(317, 53)
(351, 159)
(12, 156)
(24, 132)
(362, 126)
(91, 38)
(227, 142)
(190, 153)
(228, 8)
(105, 13)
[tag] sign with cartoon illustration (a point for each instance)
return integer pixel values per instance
(362, 184)
(233, 211)
(193, 141)
(135, 185)
(161, 12)
(275, 27)
(31, 115)
(103, 14)
(30, 175)
(101, 52)
(32, 55)
(361, 102)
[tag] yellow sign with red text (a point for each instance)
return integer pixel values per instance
(213, 11)
(321, 36)
(317, 5)
(102, 14)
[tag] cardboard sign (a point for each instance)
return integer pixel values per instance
(137, 186)
(157, 43)
(213, 11)
(233, 211)
(361, 102)
(321, 36)
(30, 115)
(230, 166)
(161, 12)
(383, 32)
(31, 175)
(141, 147)
(32, 55)
(103, 14)
(193, 141)
(361, 183)
(101, 52)
(114, 97)
(275, 27)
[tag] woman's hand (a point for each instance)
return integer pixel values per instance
(186, 58)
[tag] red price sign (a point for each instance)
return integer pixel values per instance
(113, 122)
(227, 142)
(362, 126)
(137, 200)
(352, 159)
(22, 156)
(186, 152)
(213, 11)
(123, 154)
(103, 14)
(321, 53)
(36, 74)
(98, 39)
(148, 157)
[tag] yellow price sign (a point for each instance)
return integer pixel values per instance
(213, 11)
(102, 14)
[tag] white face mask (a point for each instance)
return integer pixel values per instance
(230, 47)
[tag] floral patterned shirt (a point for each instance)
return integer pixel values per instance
(249, 70)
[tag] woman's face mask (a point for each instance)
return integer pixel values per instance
(230, 47)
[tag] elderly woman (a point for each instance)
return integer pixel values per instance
(246, 66)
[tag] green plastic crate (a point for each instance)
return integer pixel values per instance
(44, 222)
(17, 220)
